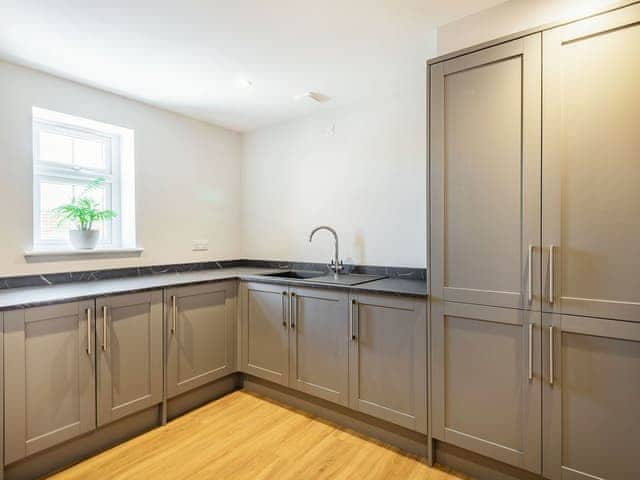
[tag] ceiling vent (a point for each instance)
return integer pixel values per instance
(313, 97)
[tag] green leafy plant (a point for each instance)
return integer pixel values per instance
(83, 210)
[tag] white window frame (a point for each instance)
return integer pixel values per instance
(118, 146)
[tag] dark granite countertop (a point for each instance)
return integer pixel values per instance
(398, 286)
(13, 298)
(32, 296)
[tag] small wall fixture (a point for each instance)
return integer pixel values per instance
(313, 96)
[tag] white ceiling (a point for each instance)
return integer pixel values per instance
(191, 56)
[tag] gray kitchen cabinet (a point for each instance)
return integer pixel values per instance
(2, 455)
(591, 199)
(49, 375)
(303, 338)
(486, 381)
(265, 331)
(201, 334)
(319, 343)
(552, 237)
(590, 398)
(485, 156)
(129, 349)
(388, 359)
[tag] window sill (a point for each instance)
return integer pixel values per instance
(69, 253)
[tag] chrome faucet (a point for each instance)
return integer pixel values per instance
(336, 264)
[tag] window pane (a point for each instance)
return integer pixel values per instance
(56, 148)
(88, 153)
(52, 195)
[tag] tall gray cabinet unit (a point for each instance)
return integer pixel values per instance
(591, 242)
(485, 237)
(535, 240)
(201, 335)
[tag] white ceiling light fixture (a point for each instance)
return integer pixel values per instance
(245, 83)
(314, 97)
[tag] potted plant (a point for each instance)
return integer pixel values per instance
(84, 211)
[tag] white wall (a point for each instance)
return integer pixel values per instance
(255, 195)
(368, 180)
(511, 17)
(187, 174)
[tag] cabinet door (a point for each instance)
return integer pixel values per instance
(265, 331)
(388, 359)
(591, 173)
(2, 453)
(49, 374)
(201, 332)
(485, 176)
(319, 343)
(591, 414)
(129, 346)
(486, 386)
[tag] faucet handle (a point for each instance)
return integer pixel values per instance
(337, 267)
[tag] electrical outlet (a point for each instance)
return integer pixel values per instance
(200, 245)
(331, 130)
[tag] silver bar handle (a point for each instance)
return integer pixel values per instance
(530, 286)
(551, 372)
(352, 332)
(355, 327)
(284, 309)
(551, 273)
(174, 314)
(88, 314)
(104, 328)
(292, 311)
(530, 352)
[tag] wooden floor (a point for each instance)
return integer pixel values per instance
(245, 436)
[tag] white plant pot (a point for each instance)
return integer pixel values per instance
(84, 239)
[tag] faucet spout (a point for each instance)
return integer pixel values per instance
(336, 264)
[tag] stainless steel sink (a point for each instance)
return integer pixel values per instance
(327, 277)
(299, 274)
(347, 278)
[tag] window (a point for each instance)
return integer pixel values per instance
(69, 153)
